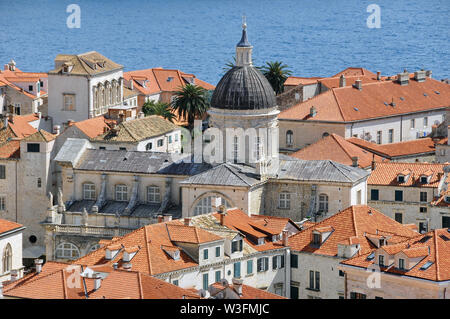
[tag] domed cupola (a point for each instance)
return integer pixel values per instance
(243, 87)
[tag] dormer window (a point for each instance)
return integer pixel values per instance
(401, 264)
(112, 251)
(169, 79)
(317, 239)
(400, 178)
(236, 245)
(260, 241)
(447, 199)
(424, 179)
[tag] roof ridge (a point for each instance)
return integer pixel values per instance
(339, 169)
(156, 79)
(64, 284)
(141, 293)
(298, 105)
(354, 220)
(230, 168)
(148, 249)
(438, 277)
(338, 105)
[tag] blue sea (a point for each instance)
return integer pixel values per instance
(314, 38)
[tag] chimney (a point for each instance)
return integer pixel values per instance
(237, 285)
(167, 218)
(127, 266)
(70, 122)
(428, 73)
(374, 165)
(312, 111)
(420, 76)
(116, 265)
(379, 75)
(342, 81)
(285, 238)
(97, 281)
(56, 129)
(14, 274)
(187, 221)
(358, 84)
(403, 78)
(355, 161)
(11, 118)
(160, 218)
(38, 263)
(222, 217)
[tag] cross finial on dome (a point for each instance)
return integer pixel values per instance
(244, 22)
(244, 42)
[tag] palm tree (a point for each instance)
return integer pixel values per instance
(158, 108)
(276, 73)
(229, 65)
(190, 102)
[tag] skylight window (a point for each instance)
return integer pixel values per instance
(437, 92)
(386, 103)
(371, 256)
(426, 265)
(425, 94)
(355, 108)
(402, 98)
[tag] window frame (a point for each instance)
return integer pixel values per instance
(121, 191)
(85, 191)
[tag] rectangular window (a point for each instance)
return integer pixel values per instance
(401, 263)
(262, 264)
(218, 275)
(160, 142)
(237, 270)
(175, 282)
(2, 172)
(381, 260)
(294, 292)
(398, 218)
(425, 121)
(423, 196)
(205, 282)
(2, 203)
(341, 273)
(422, 209)
(236, 246)
(284, 200)
(218, 251)
(399, 196)
(391, 136)
(176, 137)
(69, 102)
(374, 194)
(413, 123)
(314, 280)
(30, 88)
(379, 137)
(317, 239)
(249, 267)
(33, 148)
(423, 227)
(356, 295)
(205, 254)
(170, 139)
(294, 261)
(274, 262)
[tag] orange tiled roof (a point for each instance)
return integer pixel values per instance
(386, 174)
(276, 223)
(419, 146)
(355, 221)
(151, 257)
(249, 292)
(10, 150)
(20, 126)
(347, 104)
(6, 225)
(52, 283)
(8, 78)
(95, 126)
(342, 152)
(238, 220)
(162, 80)
(433, 246)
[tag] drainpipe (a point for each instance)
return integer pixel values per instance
(17, 192)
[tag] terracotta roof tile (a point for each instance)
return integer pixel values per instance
(352, 222)
(348, 104)
(386, 174)
(95, 126)
(343, 151)
(433, 246)
(6, 226)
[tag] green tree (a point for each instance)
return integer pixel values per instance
(276, 73)
(190, 102)
(158, 108)
(229, 65)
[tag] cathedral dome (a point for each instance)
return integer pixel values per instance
(243, 88)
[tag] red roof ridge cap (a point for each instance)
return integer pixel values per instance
(148, 249)
(438, 277)
(338, 105)
(141, 293)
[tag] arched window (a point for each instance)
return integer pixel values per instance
(204, 206)
(284, 200)
(149, 146)
(235, 148)
(323, 203)
(89, 191)
(121, 193)
(7, 258)
(258, 148)
(67, 251)
(118, 94)
(289, 137)
(153, 194)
